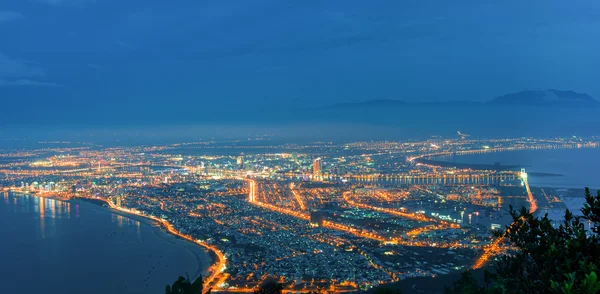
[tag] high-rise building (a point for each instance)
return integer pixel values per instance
(317, 166)
(240, 161)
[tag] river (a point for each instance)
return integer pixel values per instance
(52, 246)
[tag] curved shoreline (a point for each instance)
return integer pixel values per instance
(434, 160)
(218, 259)
(200, 253)
(479, 166)
(81, 239)
(473, 166)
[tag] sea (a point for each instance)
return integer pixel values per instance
(555, 168)
(561, 169)
(53, 246)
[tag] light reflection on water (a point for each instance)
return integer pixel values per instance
(42, 209)
(52, 209)
(575, 168)
(124, 222)
(45, 243)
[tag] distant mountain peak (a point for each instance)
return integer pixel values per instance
(547, 97)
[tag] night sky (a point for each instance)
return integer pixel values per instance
(97, 62)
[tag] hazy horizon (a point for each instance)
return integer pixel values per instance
(79, 64)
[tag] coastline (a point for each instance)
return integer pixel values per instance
(479, 166)
(199, 252)
(217, 258)
(212, 276)
(128, 249)
(567, 168)
(473, 166)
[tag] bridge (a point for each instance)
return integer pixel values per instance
(530, 198)
(496, 246)
(477, 179)
(170, 170)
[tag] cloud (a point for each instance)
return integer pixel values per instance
(27, 83)
(8, 16)
(16, 72)
(18, 68)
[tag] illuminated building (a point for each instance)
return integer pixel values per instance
(240, 161)
(323, 213)
(317, 166)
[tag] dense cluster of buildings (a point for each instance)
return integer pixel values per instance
(315, 216)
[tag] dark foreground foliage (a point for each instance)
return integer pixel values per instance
(184, 286)
(269, 287)
(564, 259)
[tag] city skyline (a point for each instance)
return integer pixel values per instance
(315, 147)
(343, 217)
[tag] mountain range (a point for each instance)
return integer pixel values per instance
(548, 98)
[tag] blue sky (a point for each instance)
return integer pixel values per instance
(93, 61)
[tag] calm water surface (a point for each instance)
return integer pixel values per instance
(578, 167)
(51, 246)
